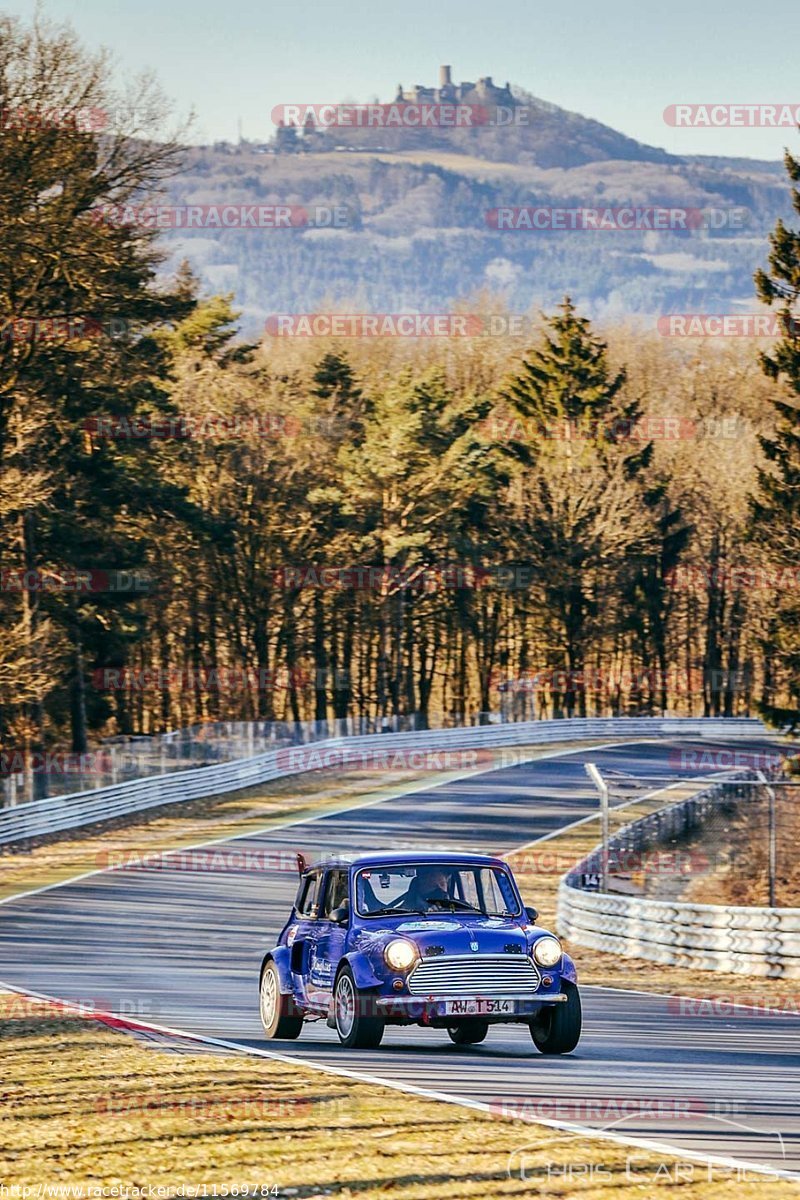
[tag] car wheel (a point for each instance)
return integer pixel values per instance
(357, 1029)
(557, 1028)
(468, 1033)
(279, 1015)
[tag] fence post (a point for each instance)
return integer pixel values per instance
(773, 841)
(602, 788)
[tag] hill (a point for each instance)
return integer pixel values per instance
(419, 236)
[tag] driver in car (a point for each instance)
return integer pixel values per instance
(429, 883)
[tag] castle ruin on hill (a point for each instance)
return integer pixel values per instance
(309, 135)
(483, 92)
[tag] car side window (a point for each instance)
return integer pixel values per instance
(335, 892)
(498, 894)
(307, 896)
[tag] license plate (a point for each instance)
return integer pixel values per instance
(472, 1008)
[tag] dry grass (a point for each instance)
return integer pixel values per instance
(86, 1106)
(735, 844)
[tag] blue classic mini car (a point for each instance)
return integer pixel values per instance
(438, 940)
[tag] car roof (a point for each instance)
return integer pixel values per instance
(408, 858)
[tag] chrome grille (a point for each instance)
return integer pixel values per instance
(488, 974)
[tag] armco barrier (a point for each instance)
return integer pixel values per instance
(743, 940)
(122, 759)
(40, 817)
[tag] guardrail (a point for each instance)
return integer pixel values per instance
(123, 759)
(746, 940)
(40, 817)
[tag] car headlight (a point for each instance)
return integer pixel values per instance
(547, 951)
(400, 954)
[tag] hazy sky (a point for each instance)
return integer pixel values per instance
(619, 61)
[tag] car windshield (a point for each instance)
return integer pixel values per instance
(430, 888)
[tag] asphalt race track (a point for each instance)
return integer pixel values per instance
(182, 947)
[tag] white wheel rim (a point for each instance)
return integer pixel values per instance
(269, 998)
(345, 1006)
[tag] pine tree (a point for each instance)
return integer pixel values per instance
(68, 282)
(776, 506)
(579, 510)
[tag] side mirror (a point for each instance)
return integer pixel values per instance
(531, 913)
(341, 915)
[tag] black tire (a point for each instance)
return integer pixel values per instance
(468, 1033)
(557, 1029)
(279, 1016)
(358, 1027)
